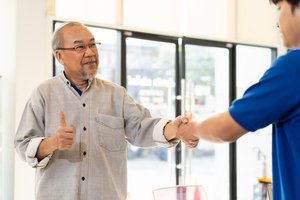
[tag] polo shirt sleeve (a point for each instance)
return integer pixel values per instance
(272, 98)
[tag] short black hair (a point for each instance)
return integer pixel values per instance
(293, 3)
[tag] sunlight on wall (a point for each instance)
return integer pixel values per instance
(99, 11)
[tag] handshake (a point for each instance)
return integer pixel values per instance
(183, 127)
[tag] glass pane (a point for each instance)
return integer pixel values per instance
(151, 82)
(109, 54)
(207, 91)
(253, 149)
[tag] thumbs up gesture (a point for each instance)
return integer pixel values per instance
(64, 136)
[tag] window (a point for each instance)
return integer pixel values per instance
(151, 69)
(253, 149)
(207, 91)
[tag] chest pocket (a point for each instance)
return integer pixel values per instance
(110, 132)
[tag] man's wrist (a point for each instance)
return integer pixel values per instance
(53, 143)
(167, 134)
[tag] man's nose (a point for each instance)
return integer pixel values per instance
(90, 51)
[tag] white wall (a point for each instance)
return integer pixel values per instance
(7, 71)
(34, 65)
(256, 22)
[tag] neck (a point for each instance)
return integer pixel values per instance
(81, 84)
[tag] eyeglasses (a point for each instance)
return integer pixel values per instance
(82, 48)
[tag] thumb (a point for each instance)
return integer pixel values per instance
(189, 115)
(178, 120)
(184, 119)
(62, 119)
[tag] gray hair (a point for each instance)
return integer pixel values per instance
(57, 38)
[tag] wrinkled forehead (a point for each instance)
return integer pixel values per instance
(76, 34)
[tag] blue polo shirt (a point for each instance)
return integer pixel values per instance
(275, 100)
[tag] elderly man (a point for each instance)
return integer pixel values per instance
(75, 127)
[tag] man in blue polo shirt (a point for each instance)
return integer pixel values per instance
(275, 100)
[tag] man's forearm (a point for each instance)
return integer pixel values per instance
(46, 147)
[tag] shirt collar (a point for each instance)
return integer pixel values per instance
(68, 82)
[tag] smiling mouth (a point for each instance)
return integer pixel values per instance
(89, 63)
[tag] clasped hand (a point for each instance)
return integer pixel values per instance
(183, 128)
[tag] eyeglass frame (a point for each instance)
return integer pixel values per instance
(97, 44)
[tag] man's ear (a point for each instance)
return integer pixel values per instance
(58, 56)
